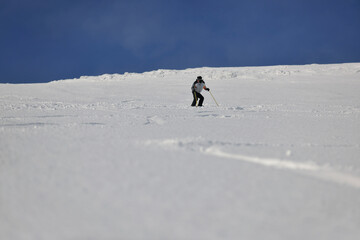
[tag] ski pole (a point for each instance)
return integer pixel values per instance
(213, 98)
(196, 103)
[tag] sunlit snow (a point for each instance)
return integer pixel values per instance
(125, 156)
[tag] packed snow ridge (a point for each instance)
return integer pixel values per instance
(259, 73)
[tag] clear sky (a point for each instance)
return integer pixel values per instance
(45, 40)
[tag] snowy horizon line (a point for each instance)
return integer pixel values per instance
(200, 70)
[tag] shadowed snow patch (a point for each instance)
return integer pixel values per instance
(154, 120)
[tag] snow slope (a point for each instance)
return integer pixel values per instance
(124, 156)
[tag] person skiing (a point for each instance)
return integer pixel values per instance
(196, 89)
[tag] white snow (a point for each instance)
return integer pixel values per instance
(124, 156)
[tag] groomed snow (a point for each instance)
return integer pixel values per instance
(124, 156)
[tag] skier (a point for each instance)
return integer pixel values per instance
(196, 89)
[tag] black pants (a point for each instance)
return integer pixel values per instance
(197, 96)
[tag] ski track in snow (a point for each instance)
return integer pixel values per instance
(213, 148)
(314, 170)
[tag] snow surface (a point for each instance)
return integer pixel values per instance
(124, 156)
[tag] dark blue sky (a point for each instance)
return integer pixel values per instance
(44, 40)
